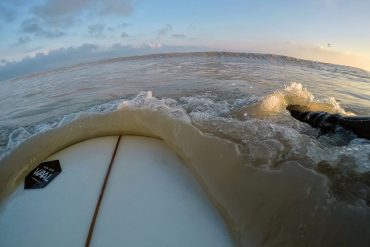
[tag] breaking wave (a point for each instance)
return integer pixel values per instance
(296, 94)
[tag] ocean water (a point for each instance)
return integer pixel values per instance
(276, 181)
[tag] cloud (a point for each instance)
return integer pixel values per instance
(123, 25)
(96, 30)
(33, 26)
(35, 49)
(60, 13)
(52, 34)
(84, 53)
(22, 41)
(63, 13)
(178, 35)
(164, 31)
(124, 35)
(44, 61)
(117, 7)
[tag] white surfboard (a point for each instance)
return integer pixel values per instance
(150, 199)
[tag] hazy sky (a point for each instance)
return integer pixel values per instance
(336, 31)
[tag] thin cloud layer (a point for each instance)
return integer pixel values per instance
(96, 30)
(22, 41)
(117, 8)
(54, 18)
(60, 12)
(66, 12)
(33, 26)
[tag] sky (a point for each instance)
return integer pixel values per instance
(62, 32)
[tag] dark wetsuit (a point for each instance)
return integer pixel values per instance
(360, 125)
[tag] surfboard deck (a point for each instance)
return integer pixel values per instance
(151, 199)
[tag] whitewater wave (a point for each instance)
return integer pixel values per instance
(296, 94)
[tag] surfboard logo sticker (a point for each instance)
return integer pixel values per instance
(42, 175)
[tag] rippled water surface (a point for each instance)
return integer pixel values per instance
(277, 173)
(39, 96)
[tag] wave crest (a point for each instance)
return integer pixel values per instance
(296, 94)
